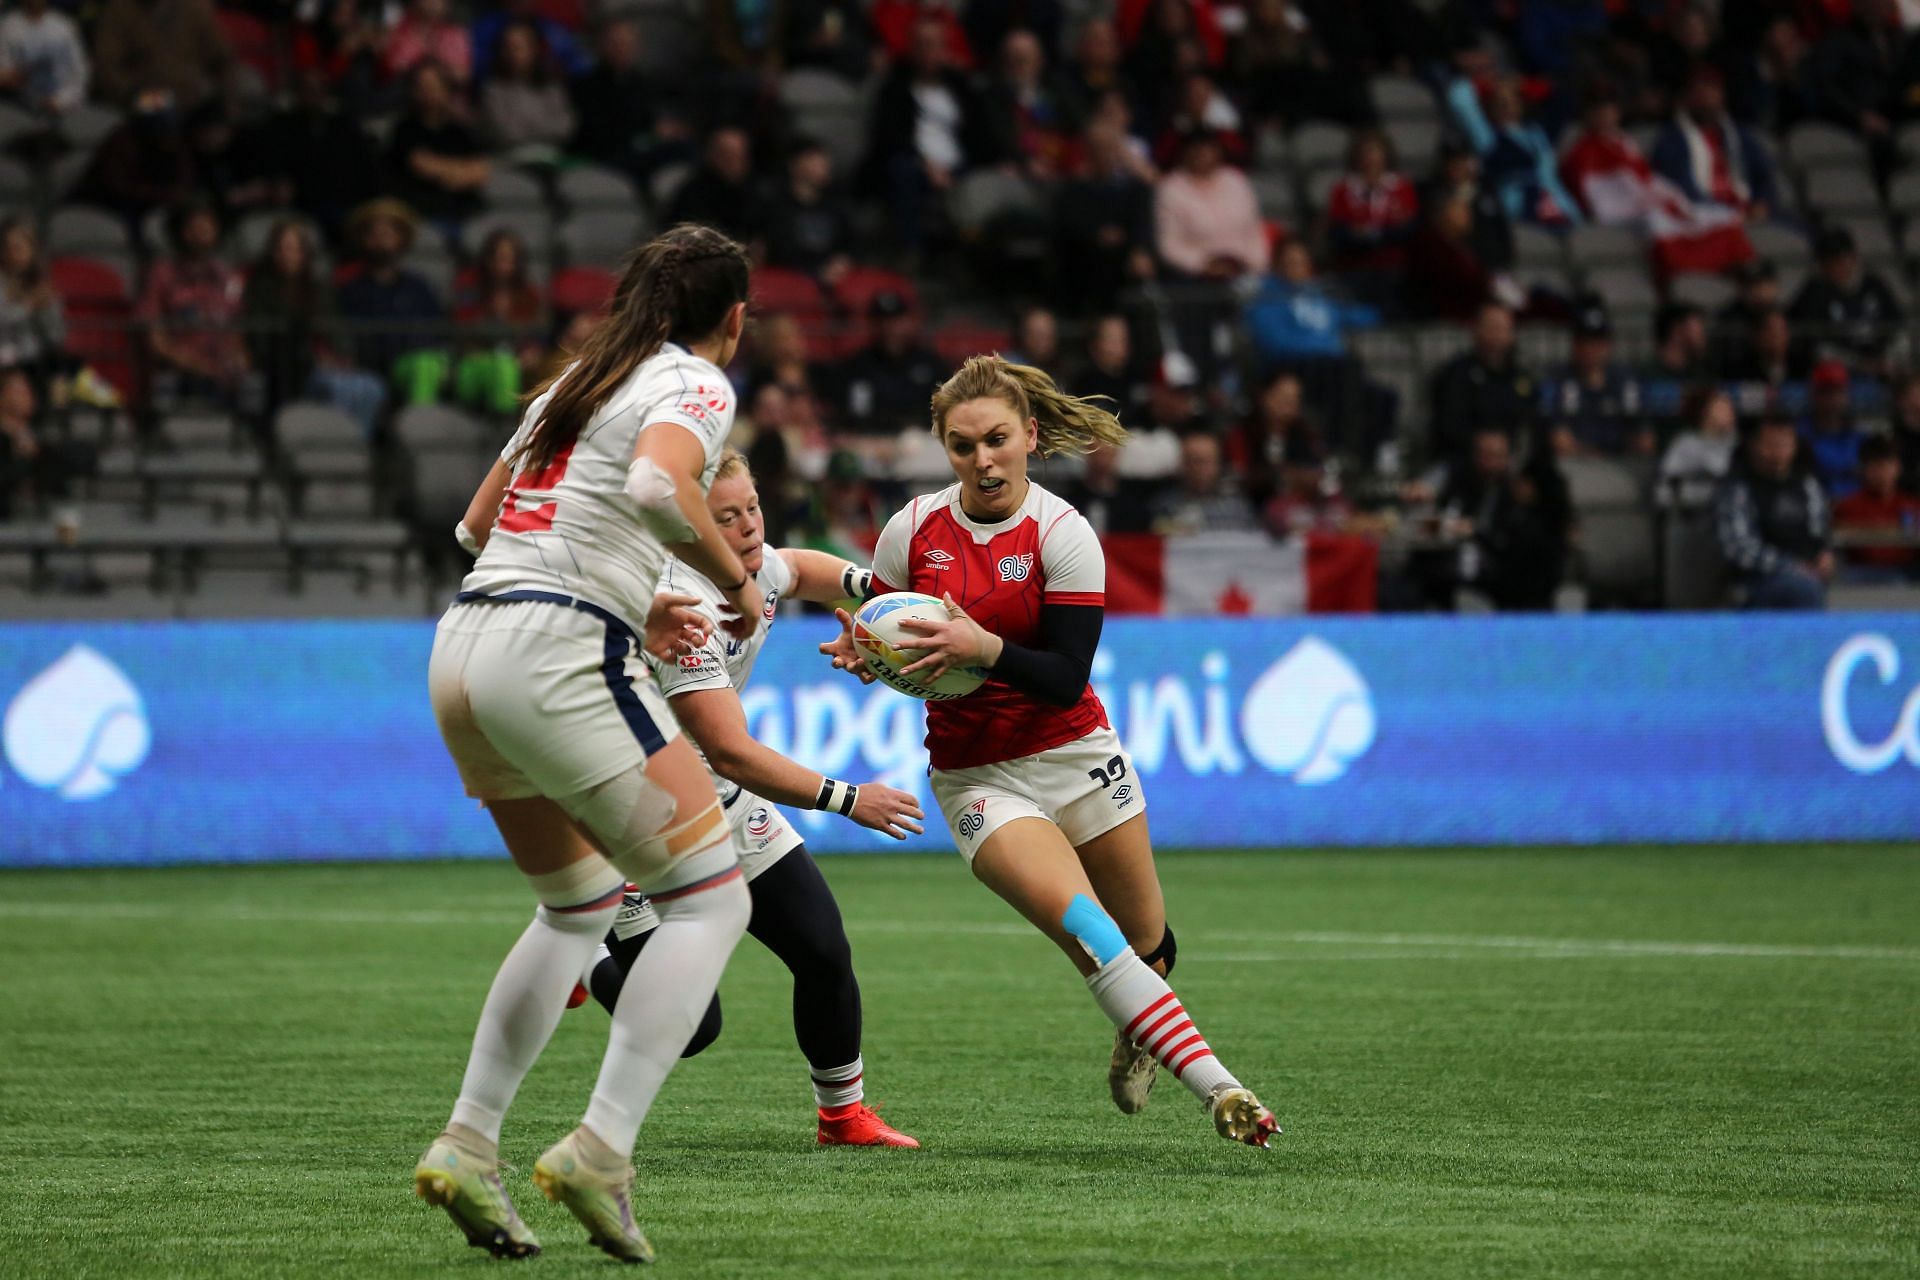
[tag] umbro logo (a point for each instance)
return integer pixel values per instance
(938, 559)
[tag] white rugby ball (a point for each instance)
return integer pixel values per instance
(877, 634)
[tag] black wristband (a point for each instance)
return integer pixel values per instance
(736, 586)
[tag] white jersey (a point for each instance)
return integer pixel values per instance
(570, 527)
(723, 662)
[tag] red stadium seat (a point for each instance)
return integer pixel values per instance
(99, 317)
(955, 342)
(857, 288)
(86, 279)
(577, 289)
(775, 289)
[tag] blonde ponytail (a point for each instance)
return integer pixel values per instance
(1067, 424)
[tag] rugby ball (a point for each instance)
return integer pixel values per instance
(877, 634)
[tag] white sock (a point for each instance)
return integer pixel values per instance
(528, 996)
(665, 996)
(839, 1086)
(1140, 1003)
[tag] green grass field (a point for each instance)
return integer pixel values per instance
(1530, 1063)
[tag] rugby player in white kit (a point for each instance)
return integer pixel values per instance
(1039, 792)
(794, 912)
(550, 714)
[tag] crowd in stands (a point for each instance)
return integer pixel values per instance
(1431, 272)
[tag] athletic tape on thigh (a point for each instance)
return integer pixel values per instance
(709, 826)
(1094, 928)
(590, 884)
(622, 814)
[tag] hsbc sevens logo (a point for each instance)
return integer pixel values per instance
(1016, 568)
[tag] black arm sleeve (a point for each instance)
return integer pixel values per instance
(1057, 670)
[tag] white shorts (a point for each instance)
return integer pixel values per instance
(1086, 788)
(536, 698)
(761, 833)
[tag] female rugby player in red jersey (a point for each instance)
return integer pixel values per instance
(1034, 783)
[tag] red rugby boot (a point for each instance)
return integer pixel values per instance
(858, 1125)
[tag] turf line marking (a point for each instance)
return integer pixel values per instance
(1425, 943)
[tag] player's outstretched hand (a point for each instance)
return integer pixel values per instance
(675, 626)
(887, 810)
(741, 617)
(957, 642)
(840, 649)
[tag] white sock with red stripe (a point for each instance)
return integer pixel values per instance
(1142, 1004)
(839, 1086)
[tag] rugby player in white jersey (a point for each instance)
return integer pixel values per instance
(553, 720)
(1040, 795)
(794, 912)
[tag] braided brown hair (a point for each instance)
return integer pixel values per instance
(678, 287)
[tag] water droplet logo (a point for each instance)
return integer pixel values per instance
(1309, 715)
(77, 727)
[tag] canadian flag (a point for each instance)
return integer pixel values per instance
(1240, 573)
(1611, 177)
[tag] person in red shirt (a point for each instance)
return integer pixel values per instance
(1372, 209)
(1040, 794)
(193, 303)
(1879, 506)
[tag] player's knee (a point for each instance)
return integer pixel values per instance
(707, 1032)
(581, 897)
(1167, 950)
(1093, 929)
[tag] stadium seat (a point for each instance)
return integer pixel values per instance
(93, 295)
(65, 173)
(1903, 193)
(87, 126)
(1872, 239)
(1779, 245)
(79, 229)
(985, 195)
(1319, 189)
(665, 184)
(1616, 536)
(444, 480)
(1693, 569)
(307, 426)
(201, 431)
(1815, 144)
(87, 279)
(1623, 288)
(250, 235)
(1535, 246)
(1416, 144)
(1402, 98)
(1318, 145)
(858, 287)
(583, 289)
(809, 89)
(1593, 246)
(1275, 194)
(779, 290)
(1270, 151)
(533, 226)
(18, 185)
(438, 269)
(593, 186)
(1708, 292)
(424, 427)
(510, 188)
(958, 340)
(1842, 190)
(17, 122)
(601, 237)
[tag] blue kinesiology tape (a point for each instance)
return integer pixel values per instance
(1094, 928)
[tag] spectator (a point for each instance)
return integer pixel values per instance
(810, 222)
(438, 164)
(1110, 502)
(1594, 404)
(1701, 455)
(145, 163)
(1771, 358)
(1711, 156)
(33, 327)
(293, 331)
(424, 33)
(1201, 105)
(887, 384)
(1371, 214)
(1275, 441)
(1512, 524)
(1515, 152)
(1446, 276)
(240, 174)
(191, 305)
(1906, 430)
(1855, 73)
(989, 22)
(1845, 310)
(1171, 401)
(1206, 499)
(43, 65)
(1095, 68)
(561, 42)
(501, 325)
(1689, 41)
(1482, 389)
(780, 359)
(1489, 234)
(1774, 522)
(1832, 441)
(1109, 370)
(349, 46)
(1036, 338)
(830, 35)
(1030, 109)
(615, 107)
(330, 162)
(1879, 506)
(1772, 92)
(175, 45)
(32, 469)
(1165, 39)
(1295, 317)
(1208, 220)
(1734, 326)
(524, 108)
(1104, 219)
(844, 517)
(901, 24)
(927, 129)
(722, 193)
(395, 313)
(1281, 67)
(1679, 345)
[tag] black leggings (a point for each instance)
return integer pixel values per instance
(796, 918)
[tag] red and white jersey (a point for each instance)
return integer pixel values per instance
(1000, 573)
(570, 527)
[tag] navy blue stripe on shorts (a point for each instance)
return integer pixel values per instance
(621, 641)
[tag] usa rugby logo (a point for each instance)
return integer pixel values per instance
(1016, 568)
(758, 822)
